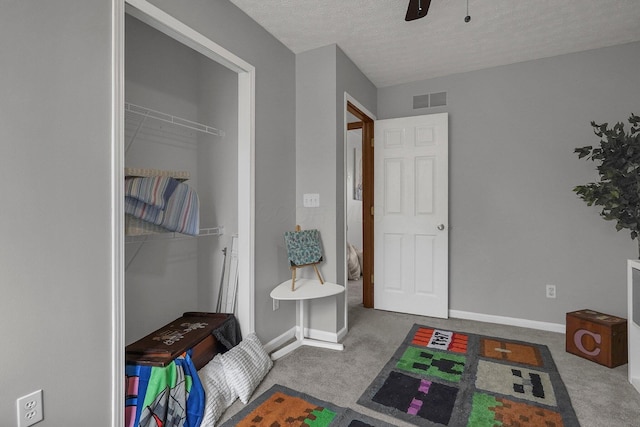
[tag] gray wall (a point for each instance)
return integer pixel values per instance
(55, 220)
(55, 166)
(349, 79)
(229, 27)
(315, 159)
(217, 175)
(323, 76)
(515, 224)
(161, 280)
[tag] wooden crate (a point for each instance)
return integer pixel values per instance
(598, 337)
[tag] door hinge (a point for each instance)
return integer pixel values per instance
(373, 142)
(372, 279)
(372, 210)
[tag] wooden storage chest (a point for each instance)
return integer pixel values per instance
(598, 337)
(191, 331)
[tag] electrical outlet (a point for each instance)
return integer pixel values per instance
(276, 304)
(551, 291)
(30, 409)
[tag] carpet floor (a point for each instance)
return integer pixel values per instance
(600, 396)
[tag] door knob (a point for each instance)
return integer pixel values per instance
(440, 227)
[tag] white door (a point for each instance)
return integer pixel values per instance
(411, 215)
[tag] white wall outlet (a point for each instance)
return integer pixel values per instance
(30, 409)
(551, 291)
(276, 304)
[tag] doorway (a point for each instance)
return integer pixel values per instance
(424, 197)
(360, 118)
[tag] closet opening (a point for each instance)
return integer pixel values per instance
(180, 116)
(169, 82)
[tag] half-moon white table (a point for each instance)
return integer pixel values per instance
(305, 289)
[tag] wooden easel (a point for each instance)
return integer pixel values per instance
(295, 267)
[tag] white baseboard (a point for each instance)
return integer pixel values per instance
(316, 334)
(512, 321)
(342, 333)
(281, 340)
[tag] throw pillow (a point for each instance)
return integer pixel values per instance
(218, 395)
(245, 365)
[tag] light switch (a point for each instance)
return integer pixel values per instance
(311, 200)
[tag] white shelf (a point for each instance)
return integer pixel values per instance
(149, 172)
(158, 115)
(151, 237)
(305, 289)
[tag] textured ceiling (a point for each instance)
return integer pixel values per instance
(388, 50)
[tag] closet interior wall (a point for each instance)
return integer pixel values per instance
(167, 277)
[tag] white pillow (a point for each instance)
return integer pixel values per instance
(245, 365)
(218, 395)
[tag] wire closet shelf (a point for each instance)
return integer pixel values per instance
(168, 118)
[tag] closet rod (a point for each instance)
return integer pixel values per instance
(147, 112)
(213, 231)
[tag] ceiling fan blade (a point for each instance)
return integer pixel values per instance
(417, 9)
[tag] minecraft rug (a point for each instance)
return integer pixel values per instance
(447, 378)
(281, 406)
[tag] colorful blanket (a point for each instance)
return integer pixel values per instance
(163, 201)
(164, 396)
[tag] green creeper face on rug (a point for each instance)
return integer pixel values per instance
(426, 362)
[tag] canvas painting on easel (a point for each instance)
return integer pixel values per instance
(304, 248)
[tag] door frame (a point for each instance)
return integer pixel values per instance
(167, 24)
(351, 105)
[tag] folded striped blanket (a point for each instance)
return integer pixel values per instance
(154, 190)
(163, 201)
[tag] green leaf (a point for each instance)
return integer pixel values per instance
(583, 152)
(617, 161)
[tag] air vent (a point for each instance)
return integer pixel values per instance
(438, 99)
(421, 101)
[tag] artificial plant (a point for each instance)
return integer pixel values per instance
(618, 191)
